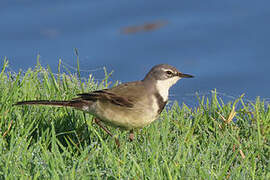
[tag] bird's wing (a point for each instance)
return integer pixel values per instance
(121, 95)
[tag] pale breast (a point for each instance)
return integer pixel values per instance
(138, 116)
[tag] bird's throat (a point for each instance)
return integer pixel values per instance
(163, 86)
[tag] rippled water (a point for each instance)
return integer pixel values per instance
(225, 44)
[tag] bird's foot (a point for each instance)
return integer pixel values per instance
(97, 121)
(117, 142)
(131, 135)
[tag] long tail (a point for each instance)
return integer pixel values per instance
(73, 103)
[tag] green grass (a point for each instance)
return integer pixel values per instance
(211, 141)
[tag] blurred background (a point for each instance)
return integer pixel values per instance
(225, 44)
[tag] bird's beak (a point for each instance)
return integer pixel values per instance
(182, 75)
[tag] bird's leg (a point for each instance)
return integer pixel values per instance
(131, 135)
(97, 121)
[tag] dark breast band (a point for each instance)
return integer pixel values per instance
(161, 102)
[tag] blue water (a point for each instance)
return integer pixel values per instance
(225, 44)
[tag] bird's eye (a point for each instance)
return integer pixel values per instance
(169, 72)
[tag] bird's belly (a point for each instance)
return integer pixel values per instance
(126, 118)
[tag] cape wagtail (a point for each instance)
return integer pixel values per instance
(129, 106)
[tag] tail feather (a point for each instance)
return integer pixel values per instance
(73, 103)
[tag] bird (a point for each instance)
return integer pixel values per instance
(128, 106)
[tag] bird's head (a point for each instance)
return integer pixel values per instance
(164, 76)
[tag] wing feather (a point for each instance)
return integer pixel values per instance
(106, 95)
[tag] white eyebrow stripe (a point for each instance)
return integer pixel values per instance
(166, 69)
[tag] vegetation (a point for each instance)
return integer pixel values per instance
(212, 141)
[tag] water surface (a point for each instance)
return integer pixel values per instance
(225, 44)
